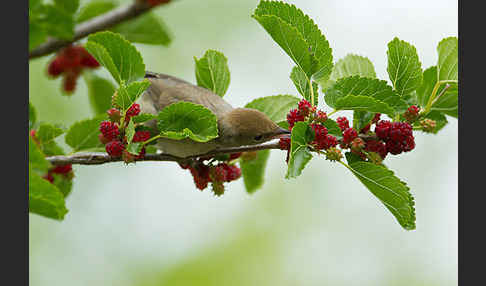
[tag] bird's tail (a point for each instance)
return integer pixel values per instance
(149, 74)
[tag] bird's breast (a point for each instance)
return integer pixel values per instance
(186, 147)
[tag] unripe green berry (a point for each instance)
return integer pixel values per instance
(333, 154)
(428, 125)
(217, 188)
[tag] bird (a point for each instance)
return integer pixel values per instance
(236, 126)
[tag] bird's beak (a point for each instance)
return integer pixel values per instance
(281, 132)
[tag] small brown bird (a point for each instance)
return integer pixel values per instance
(236, 126)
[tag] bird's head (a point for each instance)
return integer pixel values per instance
(246, 126)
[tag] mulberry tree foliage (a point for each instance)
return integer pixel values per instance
(386, 113)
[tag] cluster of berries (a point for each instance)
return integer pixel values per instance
(398, 136)
(412, 114)
(306, 112)
(69, 62)
(64, 170)
(113, 137)
(390, 137)
(216, 174)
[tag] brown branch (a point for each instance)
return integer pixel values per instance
(102, 22)
(97, 158)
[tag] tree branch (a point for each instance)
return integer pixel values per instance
(97, 158)
(102, 22)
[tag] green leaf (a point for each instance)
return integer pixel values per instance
(392, 192)
(100, 91)
(352, 157)
(70, 6)
(57, 22)
(289, 39)
(93, 9)
(284, 124)
(301, 82)
(117, 55)
(46, 135)
(44, 198)
(351, 65)
(150, 149)
(298, 36)
(34, 4)
(130, 131)
(448, 102)
(253, 170)
(127, 95)
(143, 117)
(411, 98)
(51, 148)
(299, 151)
(48, 132)
(63, 184)
(361, 119)
(37, 159)
(360, 86)
(134, 147)
(37, 34)
(83, 134)
(103, 57)
(448, 59)
(32, 115)
(275, 107)
(424, 91)
(146, 29)
(333, 128)
(363, 103)
(212, 72)
(404, 67)
(187, 120)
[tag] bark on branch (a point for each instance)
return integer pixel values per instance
(97, 158)
(102, 22)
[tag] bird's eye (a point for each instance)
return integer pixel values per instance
(258, 138)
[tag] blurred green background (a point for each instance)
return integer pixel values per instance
(146, 224)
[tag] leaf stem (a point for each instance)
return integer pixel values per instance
(151, 139)
(345, 165)
(432, 98)
(332, 112)
(311, 92)
(447, 86)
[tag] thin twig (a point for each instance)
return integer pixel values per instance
(97, 158)
(102, 22)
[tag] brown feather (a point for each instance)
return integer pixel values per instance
(237, 127)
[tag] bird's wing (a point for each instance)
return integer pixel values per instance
(165, 90)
